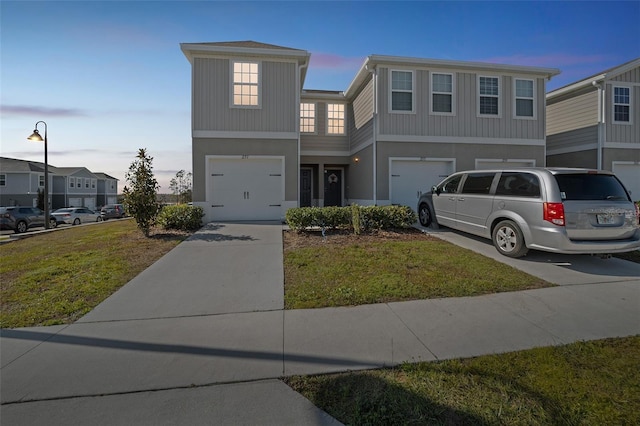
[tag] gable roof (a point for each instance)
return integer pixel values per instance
(13, 165)
(104, 176)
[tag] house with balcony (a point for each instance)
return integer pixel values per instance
(595, 123)
(262, 143)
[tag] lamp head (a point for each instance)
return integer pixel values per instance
(35, 136)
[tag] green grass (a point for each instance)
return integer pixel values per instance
(586, 383)
(385, 271)
(57, 277)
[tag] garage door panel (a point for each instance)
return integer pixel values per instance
(411, 178)
(629, 174)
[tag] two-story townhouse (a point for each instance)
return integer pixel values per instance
(20, 182)
(107, 192)
(401, 126)
(74, 187)
(595, 123)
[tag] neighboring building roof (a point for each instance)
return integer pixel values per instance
(13, 165)
(595, 78)
(70, 171)
(101, 175)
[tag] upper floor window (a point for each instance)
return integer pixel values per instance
(622, 105)
(489, 96)
(3, 180)
(307, 118)
(72, 182)
(335, 119)
(442, 93)
(41, 181)
(402, 91)
(112, 184)
(93, 184)
(246, 84)
(525, 98)
(86, 182)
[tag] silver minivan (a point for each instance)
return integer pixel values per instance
(574, 211)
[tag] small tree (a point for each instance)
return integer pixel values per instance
(181, 186)
(140, 198)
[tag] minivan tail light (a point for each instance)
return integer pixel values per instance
(554, 213)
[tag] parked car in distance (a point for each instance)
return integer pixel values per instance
(20, 219)
(573, 211)
(76, 215)
(112, 211)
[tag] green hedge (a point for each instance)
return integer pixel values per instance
(353, 217)
(180, 216)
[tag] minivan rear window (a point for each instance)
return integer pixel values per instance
(590, 187)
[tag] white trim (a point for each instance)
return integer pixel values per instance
(615, 85)
(413, 91)
(452, 93)
(215, 134)
(506, 161)
(621, 145)
(534, 99)
(570, 149)
(478, 96)
(232, 83)
(315, 118)
(456, 139)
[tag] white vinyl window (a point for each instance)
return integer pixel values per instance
(335, 119)
(72, 182)
(525, 105)
(442, 86)
(246, 84)
(622, 105)
(3, 180)
(488, 96)
(93, 184)
(41, 181)
(307, 118)
(401, 91)
(87, 182)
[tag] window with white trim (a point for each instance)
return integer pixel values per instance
(622, 105)
(93, 183)
(246, 84)
(112, 184)
(72, 182)
(525, 98)
(442, 93)
(488, 96)
(335, 119)
(86, 182)
(41, 181)
(307, 118)
(401, 91)
(3, 180)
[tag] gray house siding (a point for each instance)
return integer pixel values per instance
(573, 113)
(212, 104)
(320, 141)
(360, 176)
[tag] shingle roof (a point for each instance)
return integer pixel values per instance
(247, 43)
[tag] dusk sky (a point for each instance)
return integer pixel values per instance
(109, 77)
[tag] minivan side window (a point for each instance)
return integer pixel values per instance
(450, 186)
(478, 183)
(518, 184)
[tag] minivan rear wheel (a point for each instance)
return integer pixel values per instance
(424, 215)
(508, 239)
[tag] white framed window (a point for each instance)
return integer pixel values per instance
(72, 182)
(41, 181)
(112, 184)
(335, 119)
(401, 84)
(93, 183)
(3, 180)
(246, 84)
(525, 98)
(488, 96)
(622, 105)
(442, 94)
(307, 118)
(87, 182)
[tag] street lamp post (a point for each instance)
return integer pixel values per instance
(36, 137)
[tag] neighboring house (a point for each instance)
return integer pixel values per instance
(68, 186)
(262, 144)
(595, 123)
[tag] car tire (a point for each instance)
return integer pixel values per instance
(424, 215)
(99, 219)
(21, 227)
(508, 239)
(76, 221)
(53, 223)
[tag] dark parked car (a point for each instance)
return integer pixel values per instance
(112, 211)
(19, 219)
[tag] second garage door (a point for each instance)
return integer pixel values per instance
(249, 188)
(629, 174)
(410, 178)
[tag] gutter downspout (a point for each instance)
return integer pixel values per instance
(374, 74)
(298, 100)
(601, 121)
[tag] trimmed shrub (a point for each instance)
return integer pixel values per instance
(181, 216)
(387, 217)
(355, 219)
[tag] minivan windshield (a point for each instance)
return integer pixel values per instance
(590, 187)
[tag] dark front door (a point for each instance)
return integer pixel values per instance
(305, 187)
(333, 187)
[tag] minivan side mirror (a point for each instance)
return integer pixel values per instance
(435, 190)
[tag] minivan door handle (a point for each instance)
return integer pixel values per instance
(460, 199)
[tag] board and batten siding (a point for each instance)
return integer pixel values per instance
(573, 140)
(363, 106)
(573, 113)
(465, 122)
(212, 106)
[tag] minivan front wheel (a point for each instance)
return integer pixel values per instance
(424, 215)
(508, 239)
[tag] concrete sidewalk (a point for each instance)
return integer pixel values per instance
(188, 341)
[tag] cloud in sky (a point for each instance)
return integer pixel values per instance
(31, 110)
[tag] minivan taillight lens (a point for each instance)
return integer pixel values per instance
(554, 213)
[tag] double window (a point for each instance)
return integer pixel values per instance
(442, 86)
(401, 91)
(489, 96)
(307, 118)
(246, 84)
(335, 119)
(525, 98)
(622, 105)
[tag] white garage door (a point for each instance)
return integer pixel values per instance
(411, 178)
(246, 188)
(629, 174)
(500, 164)
(75, 202)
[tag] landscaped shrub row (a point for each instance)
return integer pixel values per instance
(357, 218)
(181, 216)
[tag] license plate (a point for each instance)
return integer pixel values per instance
(605, 219)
